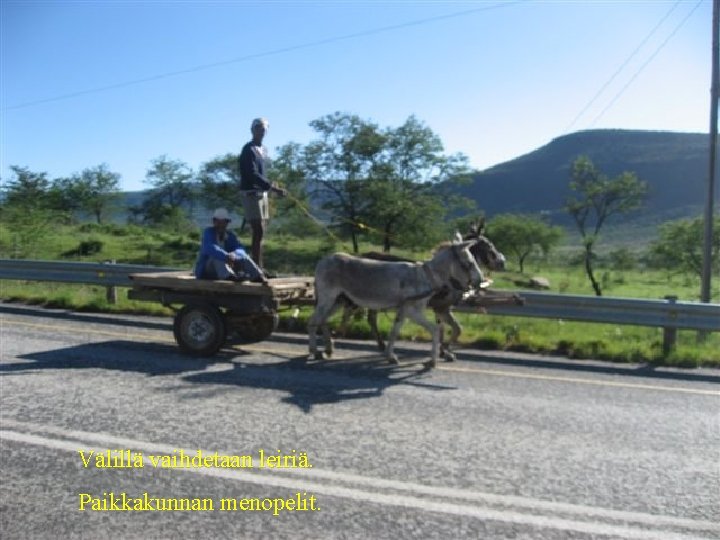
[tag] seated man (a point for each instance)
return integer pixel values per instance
(221, 255)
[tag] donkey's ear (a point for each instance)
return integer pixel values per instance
(480, 226)
(457, 238)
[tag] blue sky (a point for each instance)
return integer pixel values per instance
(123, 82)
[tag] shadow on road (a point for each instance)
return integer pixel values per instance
(309, 384)
(531, 361)
(150, 358)
(306, 383)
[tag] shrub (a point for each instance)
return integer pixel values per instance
(85, 249)
(90, 247)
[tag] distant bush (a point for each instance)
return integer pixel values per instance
(622, 259)
(89, 228)
(112, 229)
(85, 249)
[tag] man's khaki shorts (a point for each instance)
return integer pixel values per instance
(255, 205)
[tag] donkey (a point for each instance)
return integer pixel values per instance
(443, 301)
(406, 287)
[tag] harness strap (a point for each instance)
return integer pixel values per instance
(434, 282)
(437, 286)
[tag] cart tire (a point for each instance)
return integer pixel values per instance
(199, 330)
(256, 328)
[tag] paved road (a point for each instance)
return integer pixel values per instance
(492, 446)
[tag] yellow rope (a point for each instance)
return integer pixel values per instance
(358, 224)
(307, 212)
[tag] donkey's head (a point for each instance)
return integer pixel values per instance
(463, 267)
(483, 249)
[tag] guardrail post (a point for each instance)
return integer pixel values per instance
(111, 291)
(669, 333)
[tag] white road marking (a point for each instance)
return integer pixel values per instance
(524, 511)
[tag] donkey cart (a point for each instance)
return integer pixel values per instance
(208, 312)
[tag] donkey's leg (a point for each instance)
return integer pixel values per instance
(313, 323)
(416, 314)
(455, 329)
(323, 309)
(348, 311)
(399, 319)
(372, 321)
(327, 336)
(440, 319)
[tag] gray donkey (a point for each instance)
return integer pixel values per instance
(406, 287)
(443, 301)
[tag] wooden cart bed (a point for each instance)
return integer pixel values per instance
(281, 288)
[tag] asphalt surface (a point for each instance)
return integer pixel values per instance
(492, 446)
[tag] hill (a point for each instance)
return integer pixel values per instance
(675, 165)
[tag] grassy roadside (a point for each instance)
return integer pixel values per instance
(298, 256)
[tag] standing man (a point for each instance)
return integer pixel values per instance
(254, 186)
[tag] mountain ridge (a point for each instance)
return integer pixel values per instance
(674, 164)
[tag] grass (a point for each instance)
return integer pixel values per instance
(291, 255)
(652, 284)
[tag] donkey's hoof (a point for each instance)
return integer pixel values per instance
(393, 359)
(430, 364)
(317, 355)
(449, 356)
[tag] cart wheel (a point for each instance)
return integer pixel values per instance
(256, 327)
(199, 330)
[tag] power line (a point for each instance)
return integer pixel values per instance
(646, 63)
(622, 66)
(274, 52)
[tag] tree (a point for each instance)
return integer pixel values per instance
(337, 164)
(27, 189)
(292, 212)
(27, 209)
(94, 190)
(680, 242)
(170, 195)
(407, 203)
(388, 183)
(599, 198)
(523, 235)
(220, 182)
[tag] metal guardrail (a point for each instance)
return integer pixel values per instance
(668, 314)
(108, 274)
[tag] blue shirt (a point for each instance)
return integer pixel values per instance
(212, 248)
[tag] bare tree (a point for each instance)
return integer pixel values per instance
(598, 198)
